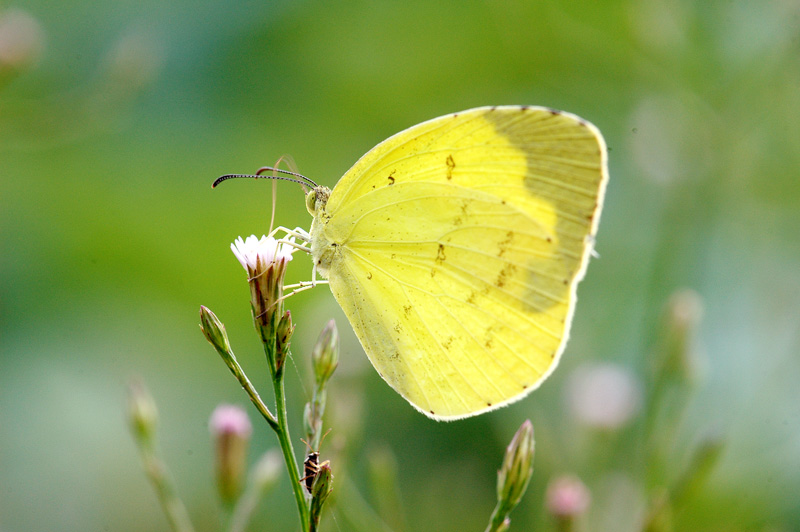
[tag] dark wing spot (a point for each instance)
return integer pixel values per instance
(369, 275)
(391, 180)
(440, 254)
(525, 107)
(489, 341)
(488, 404)
(503, 246)
(507, 271)
(450, 165)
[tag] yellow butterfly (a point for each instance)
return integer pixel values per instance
(455, 248)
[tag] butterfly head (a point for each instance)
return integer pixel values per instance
(316, 199)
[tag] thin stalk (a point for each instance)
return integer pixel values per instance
(173, 507)
(288, 452)
(358, 513)
(248, 387)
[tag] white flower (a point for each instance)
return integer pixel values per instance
(265, 251)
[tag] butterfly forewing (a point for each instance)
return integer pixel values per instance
(459, 243)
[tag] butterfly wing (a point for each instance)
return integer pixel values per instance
(456, 247)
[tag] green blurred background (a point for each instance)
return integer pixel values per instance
(116, 116)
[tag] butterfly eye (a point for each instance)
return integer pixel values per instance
(311, 201)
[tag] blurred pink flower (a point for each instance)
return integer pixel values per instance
(230, 419)
(567, 497)
(604, 396)
(21, 39)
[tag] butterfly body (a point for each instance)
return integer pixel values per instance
(455, 248)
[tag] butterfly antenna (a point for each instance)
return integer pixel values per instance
(225, 177)
(304, 181)
(275, 169)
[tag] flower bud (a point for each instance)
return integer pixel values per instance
(325, 355)
(517, 468)
(231, 429)
(567, 497)
(683, 314)
(214, 331)
(142, 412)
(320, 490)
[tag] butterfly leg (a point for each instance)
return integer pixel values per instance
(295, 288)
(297, 232)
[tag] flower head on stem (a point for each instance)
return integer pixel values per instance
(231, 429)
(567, 499)
(264, 259)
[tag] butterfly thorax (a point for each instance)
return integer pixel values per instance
(322, 250)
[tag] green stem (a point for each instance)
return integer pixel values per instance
(245, 507)
(255, 398)
(288, 452)
(173, 507)
(358, 513)
(497, 520)
(230, 360)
